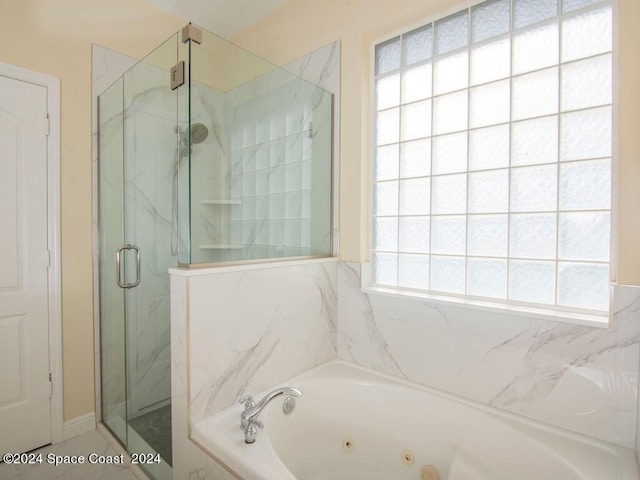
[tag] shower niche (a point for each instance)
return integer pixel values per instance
(233, 165)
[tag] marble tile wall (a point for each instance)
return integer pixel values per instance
(240, 331)
(577, 377)
(257, 328)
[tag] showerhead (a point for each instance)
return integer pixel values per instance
(199, 133)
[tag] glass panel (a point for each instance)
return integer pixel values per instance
(279, 127)
(532, 282)
(413, 271)
(583, 286)
(414, 196)
(488, 235)
(153, 159)
(535, 48)
(586, 134)
(414, 234)
(526, 12)
(450, 153)
(385, 234)
(489, 148)
(586, 83)
(388, 127)
(449, 194)
(451, 73)
(416, 120)
(490, 19)
(533, 236)
(385, 268)
(584, 236)
(450, 113)
(568, 5)
(452, 32)
(534, 189)
(491, 61)
(487, 278)
(534, 141)
(388, 91)
(417, 45)
(416, 83)
(447, 274)
(388, 56)
(535, 94)
(586, 34)
(448, 235)
(489, 191)
(585, 185)
(489, 104)
(415, 158)
(386, 164)
(386, 198)
(112, 309)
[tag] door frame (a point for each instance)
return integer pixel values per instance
(52, 84)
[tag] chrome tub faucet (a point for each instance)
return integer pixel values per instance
(249, 417)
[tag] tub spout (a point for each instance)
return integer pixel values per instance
(252, 410)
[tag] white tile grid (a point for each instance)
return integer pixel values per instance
(91, 442)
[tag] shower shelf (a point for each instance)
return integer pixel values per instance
(222, 246)
(220, 202)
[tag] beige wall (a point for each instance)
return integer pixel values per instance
(55, 37)
(305, 25)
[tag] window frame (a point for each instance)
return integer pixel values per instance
(503, 306)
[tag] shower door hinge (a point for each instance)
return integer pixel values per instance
(177, 75)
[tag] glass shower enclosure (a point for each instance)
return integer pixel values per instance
(208, 154)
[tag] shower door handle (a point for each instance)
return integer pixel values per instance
(118, 277)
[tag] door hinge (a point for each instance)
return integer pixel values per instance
(177, 75)
(47, 125)
(50, 384)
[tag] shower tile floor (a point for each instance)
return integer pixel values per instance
(155, 428)
(91, 442)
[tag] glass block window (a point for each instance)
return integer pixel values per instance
(493, 154)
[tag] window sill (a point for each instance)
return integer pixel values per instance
(550, 314)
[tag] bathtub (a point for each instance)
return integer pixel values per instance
(354, 424)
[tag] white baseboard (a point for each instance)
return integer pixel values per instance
(79, 425)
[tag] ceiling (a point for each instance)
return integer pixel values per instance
(222, 17)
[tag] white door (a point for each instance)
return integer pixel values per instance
(25, 388)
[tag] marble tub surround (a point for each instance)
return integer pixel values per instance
(239, 330)
(577, 377)
(257, 327)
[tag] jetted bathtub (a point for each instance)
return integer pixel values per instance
(355, 424)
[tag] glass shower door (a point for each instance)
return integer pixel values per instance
(138, 182)
(150, 196)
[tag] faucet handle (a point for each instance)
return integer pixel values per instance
(247, 401)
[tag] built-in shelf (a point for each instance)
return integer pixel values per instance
(220, 246)
(220, 202)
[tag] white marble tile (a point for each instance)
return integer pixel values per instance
(577, 377)
(257, 328)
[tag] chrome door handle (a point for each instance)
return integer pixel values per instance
(118, 252)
